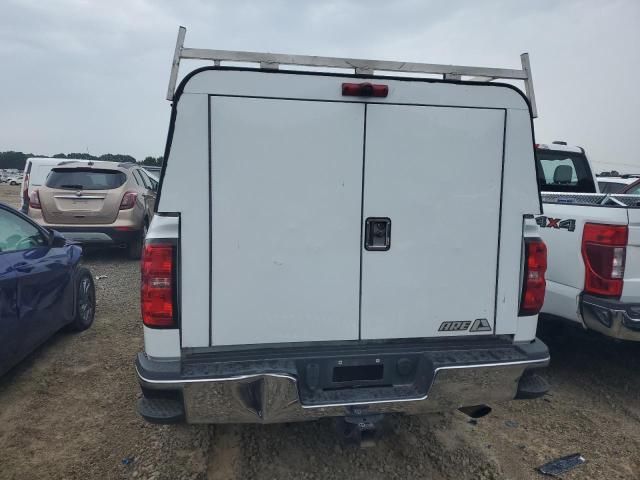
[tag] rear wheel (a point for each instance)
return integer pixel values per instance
(85, 306)
(135, 247)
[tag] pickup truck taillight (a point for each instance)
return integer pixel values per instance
(158, 286)
(534, 285)
(34, 200)
(603, 251)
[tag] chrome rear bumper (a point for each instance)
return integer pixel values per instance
(611, 317)
(273, 396)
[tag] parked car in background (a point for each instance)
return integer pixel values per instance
(154, 176)
(36, 171)
(623, 184)
(593, 240)
(42, 286)
(563, 168)
(97, 203)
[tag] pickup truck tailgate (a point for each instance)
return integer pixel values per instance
(631, 289)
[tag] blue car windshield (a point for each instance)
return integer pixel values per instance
(17, 234)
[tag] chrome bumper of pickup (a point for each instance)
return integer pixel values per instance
(274, 397)
(611, 317)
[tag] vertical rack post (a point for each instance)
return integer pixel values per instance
(528, 84)
(175, 66)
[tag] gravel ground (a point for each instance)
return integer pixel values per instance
(67, 411)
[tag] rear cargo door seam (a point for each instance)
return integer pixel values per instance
(497, 293)
(209, 148)
(364, 156)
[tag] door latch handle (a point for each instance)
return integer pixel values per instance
(377, 233)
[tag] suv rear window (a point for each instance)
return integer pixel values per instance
(85, 179)
(564, 172)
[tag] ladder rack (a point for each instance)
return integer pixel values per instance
(360, 66)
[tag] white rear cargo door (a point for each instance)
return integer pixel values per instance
(434, 174)
(286, 180)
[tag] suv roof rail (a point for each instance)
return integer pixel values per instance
(360, 66)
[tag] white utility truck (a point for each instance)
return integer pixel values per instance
(36, 170)
(341, 244)
(593, 277)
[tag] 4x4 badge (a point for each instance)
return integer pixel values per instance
(480, 325)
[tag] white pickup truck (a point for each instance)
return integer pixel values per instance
(313, 254)
(593, 240)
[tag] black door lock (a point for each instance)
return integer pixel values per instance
(377, 233)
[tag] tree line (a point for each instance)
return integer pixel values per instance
(17, 160)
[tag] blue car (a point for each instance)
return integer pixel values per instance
(43, 288)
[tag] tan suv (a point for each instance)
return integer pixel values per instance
(97, 203)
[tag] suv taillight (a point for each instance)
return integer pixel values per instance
(603, 251)
(158, 286)
(128, 200)
(34, 199)
(534, 285)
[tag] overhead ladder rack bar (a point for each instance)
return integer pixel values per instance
(361, 66)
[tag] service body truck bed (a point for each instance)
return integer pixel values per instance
(321, 249)
(593, 241)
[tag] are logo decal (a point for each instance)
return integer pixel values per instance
(547, 222)
(479, 325)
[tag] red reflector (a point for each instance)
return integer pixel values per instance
(34, 200)
(365, 89)
(128, 200)
(157, 288)
(604, 251)
(533, 285)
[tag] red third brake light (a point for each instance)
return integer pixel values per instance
(365, 89)
(534, 285)
(128, 200)
(158, 286)
(603, 251)
(34, 200)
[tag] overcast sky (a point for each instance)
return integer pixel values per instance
(90, 75)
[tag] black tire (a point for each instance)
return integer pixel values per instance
(134, 250)
(85, 301)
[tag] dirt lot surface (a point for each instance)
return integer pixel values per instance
(67, 411)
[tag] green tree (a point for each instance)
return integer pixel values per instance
(118, 157)
(13, 159)
(153, 161)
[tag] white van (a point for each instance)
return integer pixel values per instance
(36, 171)
(342, 245)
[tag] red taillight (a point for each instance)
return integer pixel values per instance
(158, 289)
(364, 90)
(34, 199)
(128, 200)
(534, 285)
(603, 251)
(25, 190)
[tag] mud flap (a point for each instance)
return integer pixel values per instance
(531, 385)
(161, 410)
